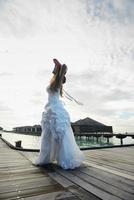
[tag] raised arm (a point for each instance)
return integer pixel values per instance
(59, 76)
(63, 71)
(57, 66)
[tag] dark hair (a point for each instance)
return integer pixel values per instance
(64, 79)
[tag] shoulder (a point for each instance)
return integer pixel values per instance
(48, 89)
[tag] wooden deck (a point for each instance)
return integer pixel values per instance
(106, 174)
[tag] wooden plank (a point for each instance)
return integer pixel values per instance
(122, 149)
(22, 180)
(109, 153)
(60, 179)
(16, 160)
(109, 166)
(19, 177)
(30, 155)
(113, 158)
(16, 164)
(30, 192)
(118, 181)
(54, 196)
(20, 170)
(110, 170)
(25, 185)
(126, 152)
(117, 164)
(101, 184)
(82, 194)
(87, 186)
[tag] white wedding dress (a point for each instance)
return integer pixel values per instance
(57, 138)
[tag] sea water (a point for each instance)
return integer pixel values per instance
(33, 142)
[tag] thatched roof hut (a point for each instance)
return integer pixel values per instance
(89, 125)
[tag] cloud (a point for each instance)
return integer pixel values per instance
(29, 18)
(94, 38)
(5, 74)
(4, 107)
(38, 98)
(113, 11)
(118, 95)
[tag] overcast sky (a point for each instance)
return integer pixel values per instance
(94, 38)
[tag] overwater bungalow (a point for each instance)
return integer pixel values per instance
(90, 126)
(36, 129)
(81, 126)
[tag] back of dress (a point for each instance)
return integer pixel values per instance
(57, 138)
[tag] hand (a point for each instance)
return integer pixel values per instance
(56, 62)
(57, 66)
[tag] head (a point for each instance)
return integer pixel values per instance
(58, 67)
(65, 68)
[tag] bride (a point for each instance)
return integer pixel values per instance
(57, 138)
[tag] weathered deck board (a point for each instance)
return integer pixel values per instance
(87, 186)
(54, 196)
(106, 186)
(19, 193)
(115, 166)
(109, 178)
(106, 174)
(125, 159)
(110, 155)
(19, 179)
(118, 164)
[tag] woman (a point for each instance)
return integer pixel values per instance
(57, 138)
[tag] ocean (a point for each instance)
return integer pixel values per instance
(33, 142)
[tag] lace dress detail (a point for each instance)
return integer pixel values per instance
(57, 138)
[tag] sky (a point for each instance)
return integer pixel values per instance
(94, 38)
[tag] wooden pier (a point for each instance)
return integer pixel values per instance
(106, 174)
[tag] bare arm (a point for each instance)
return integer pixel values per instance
(63, 71)
(59, 75)
(57, 66)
